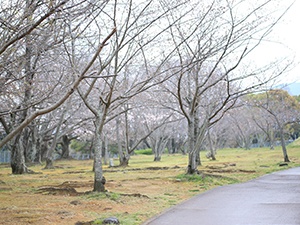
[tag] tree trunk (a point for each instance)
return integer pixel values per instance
(124, 161)
(192, 164)
(157, 158)
(44, 149)
(271, 137)
(98, 173)
(211, 147)
(172, 146)
(158, 146)
(17, 157)
(49, 154)
(49, 158)
(212, 150)
(195, 140)
(213, 157)
(27, 145)
(155, 149)
(124, 155)
(18, 152)
(65, 145)
(38, 153)
(38, 156)
(198, 159)
(283, 146)
(122, 158)
(106, 153)
(49, 164)
(35, 145)
(247, 143)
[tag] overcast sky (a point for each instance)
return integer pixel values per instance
(288, 33)
(283, 42)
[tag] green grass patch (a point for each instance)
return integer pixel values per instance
(100, 195)
(147, 151)
(206, 180)
(295, 144)
(124, 219)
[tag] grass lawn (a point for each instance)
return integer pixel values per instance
(134, 194)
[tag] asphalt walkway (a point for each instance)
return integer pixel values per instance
(272, 199)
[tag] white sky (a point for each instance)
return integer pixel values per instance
(287, 32)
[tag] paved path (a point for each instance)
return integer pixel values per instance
(273, 199)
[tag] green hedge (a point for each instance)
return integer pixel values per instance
(147, 151)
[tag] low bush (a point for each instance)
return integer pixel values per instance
(147, 151)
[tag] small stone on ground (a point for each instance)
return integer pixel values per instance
(111, 220)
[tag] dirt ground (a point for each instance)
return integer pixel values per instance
(62, 196)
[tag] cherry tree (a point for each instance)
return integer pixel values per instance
(212, 74)
(140, 29)
(283, 109)
(35, 75)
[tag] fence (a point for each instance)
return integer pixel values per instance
(5, 156)
(79, 156)
(268, 144)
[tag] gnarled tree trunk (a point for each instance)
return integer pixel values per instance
(65, 145)
(17, 156)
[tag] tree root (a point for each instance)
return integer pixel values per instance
(136, 195)
(59, 191)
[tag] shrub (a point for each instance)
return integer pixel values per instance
(147, 151)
